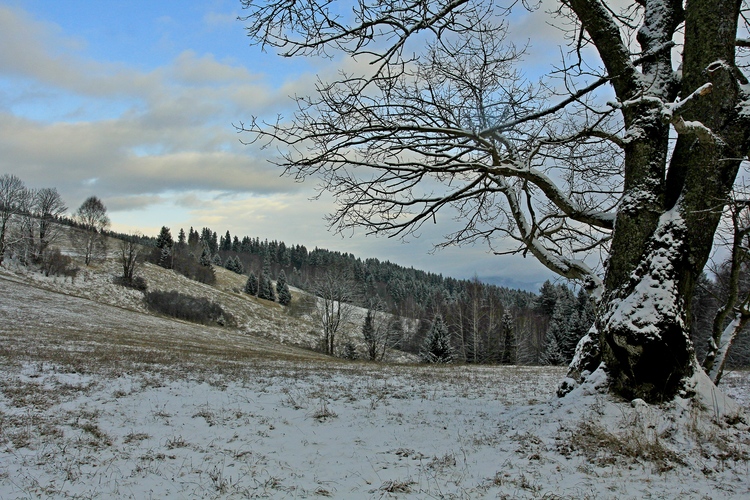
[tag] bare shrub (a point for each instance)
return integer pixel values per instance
(194, 309)
(53, 263)
(136, 282)
(603, 447)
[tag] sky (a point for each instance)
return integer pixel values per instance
(136, 103)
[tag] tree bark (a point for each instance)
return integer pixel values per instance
(666, 225)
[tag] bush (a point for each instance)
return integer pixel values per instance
(54, 263)
(137, 283)
(184, 263)
(188, 266)
(194, 309)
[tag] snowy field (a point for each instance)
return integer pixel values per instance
(98, 401)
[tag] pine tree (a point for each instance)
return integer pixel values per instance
(437, 347)
(164, 239)
(205, 258)
(165, 258)
(251, 286)
(552, 354)
(226, 242)
(214, 242)
(165, 244)
(350, 351)
(181, 238)
(562, 325)
(265, 288)
(193, 238)
(216, 260)
(548, 294)
(233, 264)
(282, 290)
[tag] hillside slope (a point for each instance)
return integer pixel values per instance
(39, 311)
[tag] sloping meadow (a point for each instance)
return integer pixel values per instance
(102, 401)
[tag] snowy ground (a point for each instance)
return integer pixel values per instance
(99, 401)
(297, 430)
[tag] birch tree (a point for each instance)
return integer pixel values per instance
(734, 313)
(613, 170)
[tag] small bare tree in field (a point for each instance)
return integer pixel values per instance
(131, 254)
(89, 239)
(612, 170)
(336, 292)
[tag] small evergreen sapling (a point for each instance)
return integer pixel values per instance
(437, 346)
(251, 286)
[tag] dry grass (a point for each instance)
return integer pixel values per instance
(633, 444)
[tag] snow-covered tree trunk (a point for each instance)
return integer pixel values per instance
(670, 210)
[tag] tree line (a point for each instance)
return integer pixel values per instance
(439, 318)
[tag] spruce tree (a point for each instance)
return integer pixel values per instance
(165, 258)
(205, 258)
(265, 288)
(282, 290)
(437, 347)
(216, 260)
(164, 239)
(251, 286)
(226, 242)
(238, 267)
(193, 238)
(552, 354)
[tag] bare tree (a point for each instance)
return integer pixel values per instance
(376, 330)
(131, 257)
(89, 240)
(13, 194)
(48, 206)
(734, 313)
(443, 122)
(336, 292)
(22, 237)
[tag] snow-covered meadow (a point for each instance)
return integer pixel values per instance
(103, 401)
(299, 429)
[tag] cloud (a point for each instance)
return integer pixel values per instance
(201, 70)
(168, 130)
(220, 20)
